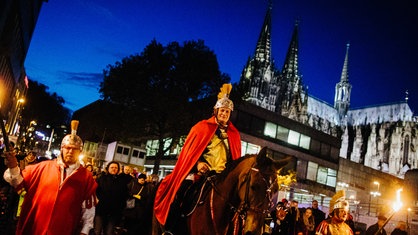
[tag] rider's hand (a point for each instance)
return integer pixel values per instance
(202, 167)
(11, 160)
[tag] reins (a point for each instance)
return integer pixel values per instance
(240, 212)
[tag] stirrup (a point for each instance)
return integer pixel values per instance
(167, 233)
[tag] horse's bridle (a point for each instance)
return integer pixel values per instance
(240, 212)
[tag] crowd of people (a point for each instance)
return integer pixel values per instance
(289, 219)
(63, 196)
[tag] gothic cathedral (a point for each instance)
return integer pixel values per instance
(383, 137)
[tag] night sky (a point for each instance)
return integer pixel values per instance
(75, 40)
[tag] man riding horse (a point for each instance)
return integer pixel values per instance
(209, 145)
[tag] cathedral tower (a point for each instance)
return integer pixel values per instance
(292, 95)
(343, 90)
(257, 78)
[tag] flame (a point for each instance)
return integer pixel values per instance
(398, 203)
(286, 179)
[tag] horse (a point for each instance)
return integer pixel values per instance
(238, 199)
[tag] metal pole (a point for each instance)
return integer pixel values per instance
(5, 135)
(387, 220)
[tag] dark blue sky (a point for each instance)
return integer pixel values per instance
(75, 40)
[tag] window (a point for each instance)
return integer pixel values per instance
(332, 177)
(304, 141)
(138, 154)
(122, 150)
(248, 148)
(322, 175)
(152, 147)
(293, 138)
(312, 169)
(282, 133)
(270, 130)
(405, 150)
(257, 126)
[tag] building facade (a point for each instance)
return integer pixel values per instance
(17, 24)
(377, 144)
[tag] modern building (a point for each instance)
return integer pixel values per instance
(17, 24)
(377, 144)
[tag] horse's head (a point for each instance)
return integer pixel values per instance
(255, 190)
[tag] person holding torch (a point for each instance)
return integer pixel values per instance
(60, 198)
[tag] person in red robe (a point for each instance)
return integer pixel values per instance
(208, 146)
(60, 193)
(336, 225)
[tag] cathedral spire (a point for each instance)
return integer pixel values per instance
(343, 89)
(262, 51)
(291, 62)
(258, 76)
(344, 73)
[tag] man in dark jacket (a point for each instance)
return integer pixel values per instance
(317, 213)
(381, 219)
(112, 192)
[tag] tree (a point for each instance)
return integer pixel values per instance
(159, 88)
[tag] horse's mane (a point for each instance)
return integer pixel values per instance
(230, 166)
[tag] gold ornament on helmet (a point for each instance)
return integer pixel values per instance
(223, 98)
(338, 201)
(73, 138)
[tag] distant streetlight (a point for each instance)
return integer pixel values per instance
(407, 219)
(374, 194)
(378, 185)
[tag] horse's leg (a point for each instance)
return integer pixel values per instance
(156, 227)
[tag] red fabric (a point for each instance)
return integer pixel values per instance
(196, 142)
(49, 208)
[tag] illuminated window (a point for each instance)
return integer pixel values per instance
(332, 177)
(270, 129)
(152, 147)
(248, 148)
(322, 175)
(293, 137)
(305, 141)
(282, 133)
(312, 169)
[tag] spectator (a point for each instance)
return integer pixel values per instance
(127, 170)
(377, 227)
(306, 224)
(136, 218)
(293, 216)
(60, 192)
(112, 192)
(281, 225)
(400, 229)
(317, 213)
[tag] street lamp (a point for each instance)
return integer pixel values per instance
(378, 185)
(374, 194)
(407, 219)
(14, 122)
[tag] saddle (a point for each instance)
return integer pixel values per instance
(196, 193)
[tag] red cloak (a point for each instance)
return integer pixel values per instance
(51, 208)
(196, 142)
